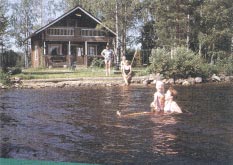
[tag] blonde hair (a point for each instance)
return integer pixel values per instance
(159, 83)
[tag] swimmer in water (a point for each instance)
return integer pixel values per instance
(170, 105)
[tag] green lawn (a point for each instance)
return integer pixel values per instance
(68, 73)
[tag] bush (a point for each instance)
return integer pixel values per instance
(97, 63)
(187, 63)
(4, 78)
(182, 64)
(160, 62)
(14, 71)
(207, 70)
(225, 65)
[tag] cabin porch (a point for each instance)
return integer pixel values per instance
(67, 54)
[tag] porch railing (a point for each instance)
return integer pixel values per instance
(60, 31)
(92, 32)
(84, 32)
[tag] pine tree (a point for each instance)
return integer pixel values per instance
(216, 29)
(173, 22)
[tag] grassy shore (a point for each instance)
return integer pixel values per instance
(28, 74)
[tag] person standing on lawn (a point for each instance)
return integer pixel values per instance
(107, 53)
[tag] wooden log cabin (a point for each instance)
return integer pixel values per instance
(73, 38)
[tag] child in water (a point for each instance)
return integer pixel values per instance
(170, 105)
(159, 99)
(156, 105)
(162, 103)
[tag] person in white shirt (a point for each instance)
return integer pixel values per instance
(108, 55)
(123, 59)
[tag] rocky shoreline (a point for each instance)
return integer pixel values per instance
(108, 81)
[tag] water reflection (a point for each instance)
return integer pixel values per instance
(164, 135)
(80, 125)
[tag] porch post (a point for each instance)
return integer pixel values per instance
(69, 57)
(43, 57)
(46, 60)
(85, 59)
(44, 49)
(69, 49)
(85, 47)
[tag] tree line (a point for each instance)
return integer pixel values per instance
(203, 26)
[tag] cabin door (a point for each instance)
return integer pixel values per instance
(80, 55)
(77, 54)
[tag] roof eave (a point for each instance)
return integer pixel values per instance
(64, 15)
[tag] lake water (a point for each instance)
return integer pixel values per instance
(80, 125)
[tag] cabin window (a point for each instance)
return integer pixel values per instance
(55, 49)
(92, 50)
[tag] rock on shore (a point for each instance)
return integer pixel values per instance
(109, 81)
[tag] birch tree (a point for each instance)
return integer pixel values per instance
(25, 15)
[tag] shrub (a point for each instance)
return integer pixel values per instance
(97, 63)
(160, 62)
(187, 63)
(4, 78)
(225, 65)
(182, 64)
(14, 71)
(208, 70)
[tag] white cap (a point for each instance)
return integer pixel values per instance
(159, 84)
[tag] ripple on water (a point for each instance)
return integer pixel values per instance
(80, 125)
